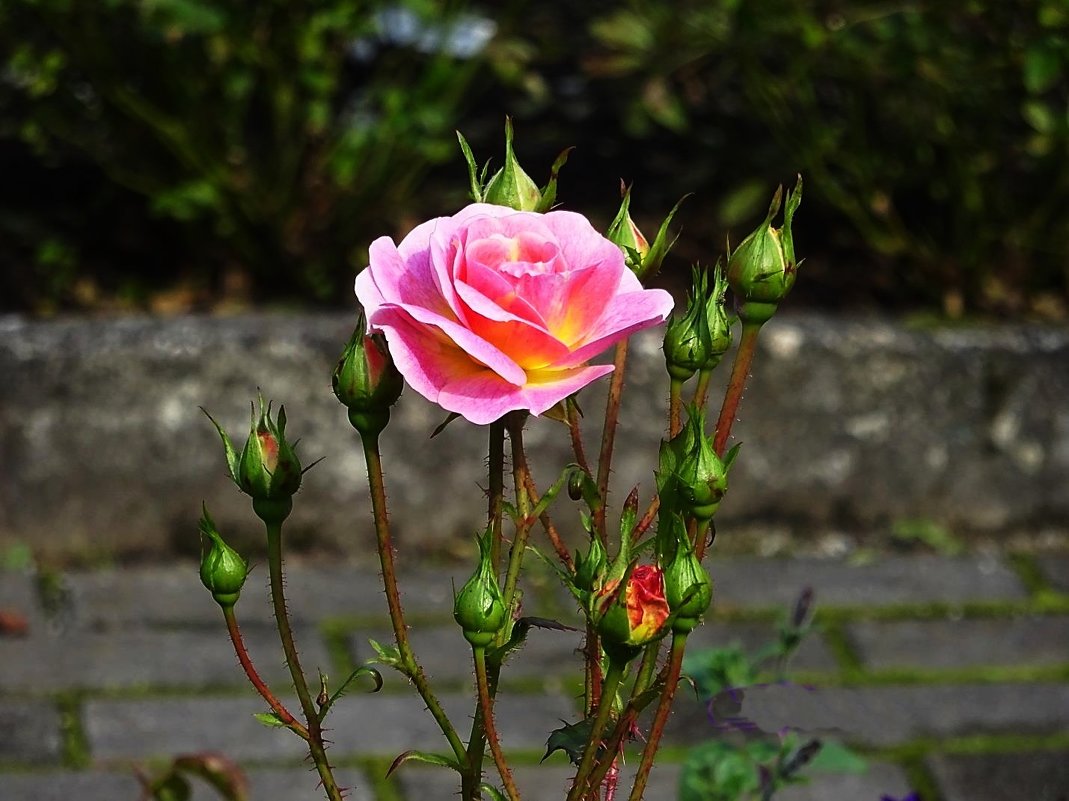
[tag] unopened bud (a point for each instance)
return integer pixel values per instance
(479, 607)
(222, 570)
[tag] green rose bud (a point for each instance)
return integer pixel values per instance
(511, 186)
(222, 570)
(366, 380)
(687, 586)
(691, 478)
(717, 318)
(479, 607)
(267, 469)
(590, 569)
(687, 340)
(763, 267)
(625, 234)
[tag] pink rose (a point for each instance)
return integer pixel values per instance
(494, 310)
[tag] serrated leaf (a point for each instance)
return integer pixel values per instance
(270, 719)
(571, 738)
(422, 756)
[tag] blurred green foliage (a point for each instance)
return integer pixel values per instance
(280, 134)
(277, 139)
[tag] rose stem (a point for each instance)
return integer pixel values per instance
(278, 600)
(486, 707)
(576, 433)
(514, 423)
(261, 687)
(472, 777)
(740, 370)
(393, 597)
(675, 665)
(612, 680)
(549, 526)
(675, 407)
(496, 486)
(608, 436)
(701, 392)
(616, 739)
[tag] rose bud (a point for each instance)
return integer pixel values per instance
(511, 186)
(763, 268)
(479, 607)
(643, 257)
(366, 380)
(629, 619)
(590, 570)
(687, 586)
(267, 469)
(222, 570)
(687, 340)
(718, 321)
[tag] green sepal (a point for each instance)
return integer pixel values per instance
(549, 191)
(511, 186)
(660, 245)
(232, 460)
(473, 169)
(494, 793)
(363, 670)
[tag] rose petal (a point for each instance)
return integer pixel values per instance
(436, 333)
(626, 314)
(483, 398)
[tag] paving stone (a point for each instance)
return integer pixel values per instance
(1035, 776)
(174, 595)
(881, 716)
(548, 782)
(1055, 567)
(140, 658)
(293, 784)
(878, 780)
(18, 595)
(68, 785)
(963, 643)
(137, 729)
(359, 725)
(445, 655)
(812, 654)
(31, 732)
(888, 580)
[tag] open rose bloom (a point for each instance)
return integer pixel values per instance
(494, 310)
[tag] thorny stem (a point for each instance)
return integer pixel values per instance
(630, 713)
(278, 600)
(675, 407)
(393, 597)
(486, 706)
(608, 436)
(471, 778)
(548, 526)
(523, 506)
(701, 392)
(740, 371)
(647, 519)
(592, 675)
(495, 487)
(261, 687)
(675, 665)
(582, 776)
(576, 434)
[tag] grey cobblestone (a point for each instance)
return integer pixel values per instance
(141, 658)
(18, 596)
(886, 581)
(1032, 776)
(29, 732)
(1055, 567)
(1032, 641)
(379, 724)
(884, 716)
(69, 785)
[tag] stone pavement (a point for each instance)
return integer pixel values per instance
(950, 674)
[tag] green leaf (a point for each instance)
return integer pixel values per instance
(422, 756)
(270, 719)
(493, 792)
(364, 670)
(1042, 68)
(171, 787)
(571, 738)
(388, 655)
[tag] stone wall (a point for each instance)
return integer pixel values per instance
(850, 423)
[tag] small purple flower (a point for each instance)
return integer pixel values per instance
(910, 797)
